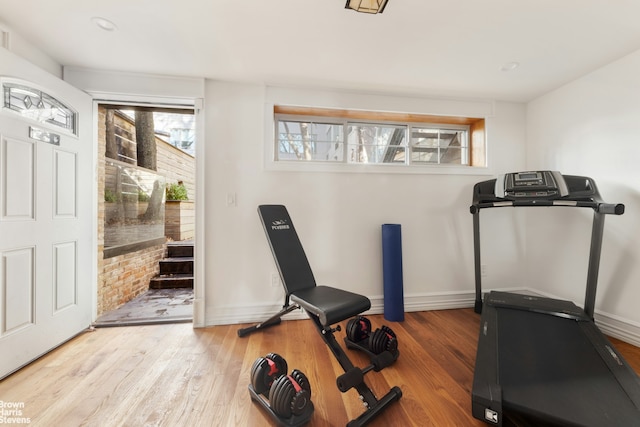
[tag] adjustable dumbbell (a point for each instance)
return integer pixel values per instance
(382, 339)
(358, 329)
(290, 394)
(284, 396)
(265, 371)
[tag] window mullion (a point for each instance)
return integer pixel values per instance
(439, 147)
(409, 153)
(345, 141)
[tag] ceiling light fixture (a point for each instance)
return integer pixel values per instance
(104, 23)
(367, 6)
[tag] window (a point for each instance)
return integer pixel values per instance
(310, 140)
(358, 137)
(376, 143)
(440, 145)
(39, 106)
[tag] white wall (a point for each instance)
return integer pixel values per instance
(339, 215)
(13, 42)
(590, 127)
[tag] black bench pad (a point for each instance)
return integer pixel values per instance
(331, 305)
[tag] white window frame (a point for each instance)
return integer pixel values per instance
(408, 167)
(347, 146)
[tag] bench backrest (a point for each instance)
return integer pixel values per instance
(286, 248)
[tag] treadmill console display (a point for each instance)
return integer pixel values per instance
(531, 185)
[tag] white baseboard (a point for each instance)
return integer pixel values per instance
(617, 327)
(258, 313)
(247, 314)
(610, 324)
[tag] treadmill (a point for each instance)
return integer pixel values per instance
(544, 360)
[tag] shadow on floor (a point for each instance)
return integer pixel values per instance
(153, 307)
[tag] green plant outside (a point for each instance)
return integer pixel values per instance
(110, 196)
(177, 192)
(142, 196)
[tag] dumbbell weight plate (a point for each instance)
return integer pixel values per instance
(358, 328)
(265, 370)
(290, 395)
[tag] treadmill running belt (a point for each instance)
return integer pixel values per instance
(549, 368)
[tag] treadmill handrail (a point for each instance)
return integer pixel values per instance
(583, 193)
(604, 208)
(610, 208)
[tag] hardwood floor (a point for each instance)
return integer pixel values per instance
(173, 375)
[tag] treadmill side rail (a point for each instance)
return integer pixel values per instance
(486, 396)
(487, 405)
(616, 363)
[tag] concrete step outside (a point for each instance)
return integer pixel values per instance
(171, 281)
(180, 265)
(176, 250)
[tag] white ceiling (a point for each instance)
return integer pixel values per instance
(452, 48)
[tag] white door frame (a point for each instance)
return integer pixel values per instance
(116, 87)
(198, 286)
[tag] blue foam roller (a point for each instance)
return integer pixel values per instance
(392, 272)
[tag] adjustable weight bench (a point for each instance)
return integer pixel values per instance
(325, 306)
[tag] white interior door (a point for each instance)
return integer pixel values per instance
(47, 234)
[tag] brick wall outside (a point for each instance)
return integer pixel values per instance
(126, 276)
(122, 278)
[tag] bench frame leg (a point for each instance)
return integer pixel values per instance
(272, 321)
(374, 405)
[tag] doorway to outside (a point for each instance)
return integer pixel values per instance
(146, 217)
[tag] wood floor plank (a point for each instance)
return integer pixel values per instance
(435, 374)
(173, 375)
(308, 353)
(631, 353)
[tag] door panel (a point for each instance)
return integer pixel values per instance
(65, 188)
(18, 172)
(18, 290)
(47, 217)
(64, 274)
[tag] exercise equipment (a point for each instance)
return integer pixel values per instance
(325, 306)
(383, 339)
(286, 398)
(290, 395)
(265, 370)
(360, 337)
(358, 329)
(392, 277)
(540, 358)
